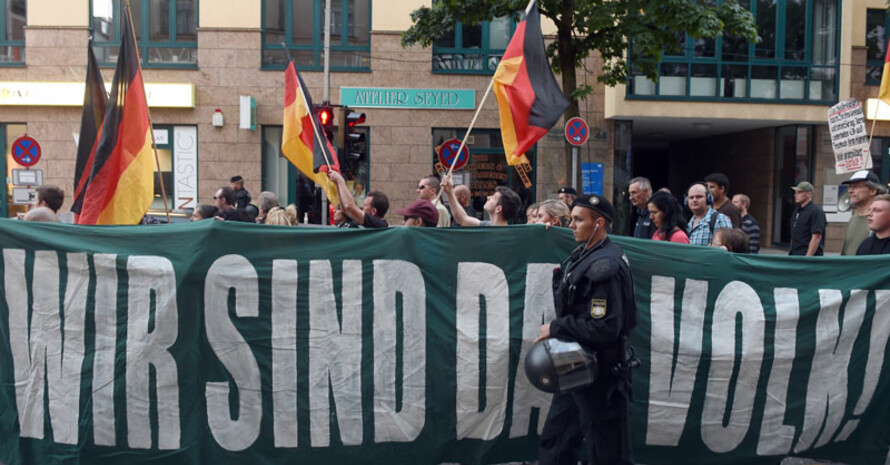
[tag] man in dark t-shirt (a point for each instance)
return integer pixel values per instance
(879, 224)
(807, 223)
(371, 214)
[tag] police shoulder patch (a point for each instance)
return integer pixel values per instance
(597, 308)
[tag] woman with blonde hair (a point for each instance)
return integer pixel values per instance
(554, 213)
(278, 216)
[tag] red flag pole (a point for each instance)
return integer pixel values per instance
(463, 142)
(154, 146)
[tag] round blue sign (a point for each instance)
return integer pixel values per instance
(25, 151)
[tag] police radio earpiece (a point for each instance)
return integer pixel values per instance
(709, 199)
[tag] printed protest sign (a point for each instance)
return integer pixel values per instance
(849, 139)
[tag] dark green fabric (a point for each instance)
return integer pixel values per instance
(455, 266)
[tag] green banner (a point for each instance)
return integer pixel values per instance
(218, 342)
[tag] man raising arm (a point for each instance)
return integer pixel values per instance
(373, 210)
(459, 215)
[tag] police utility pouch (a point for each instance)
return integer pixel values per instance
(553, 365)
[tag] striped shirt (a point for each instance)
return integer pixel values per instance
(701, 233)
(752, 229)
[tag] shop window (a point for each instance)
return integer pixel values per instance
(166, 31)
(473, 48)
(796, 60)
(487, 168)
(292, 187)
(297, 26)
(876, 23)
(12, 32)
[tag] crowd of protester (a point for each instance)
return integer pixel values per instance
(707, 216)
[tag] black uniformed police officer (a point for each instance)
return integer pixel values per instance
(593, 293)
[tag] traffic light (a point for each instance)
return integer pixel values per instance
(351, 142)
(325, 115)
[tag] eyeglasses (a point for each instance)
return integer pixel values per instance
(421, 187)
(215, 198)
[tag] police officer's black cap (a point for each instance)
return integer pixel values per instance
(567, 190)
(236, 178)
(596, 203)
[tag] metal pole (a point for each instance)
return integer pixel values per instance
(327, 51)
(575, 167)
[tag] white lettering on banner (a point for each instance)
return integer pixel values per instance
(185, 159)
(830, 360)
(538, 309)
(46, 296)
(776, 437)
(232, 272)
(395, 281)
(736, 299)
(41, 362)
(103, 362)
(476, 281)
(670, 389)
(284, 353)
(152, 286)
(335, 354)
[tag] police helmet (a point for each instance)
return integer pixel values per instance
(554, 365)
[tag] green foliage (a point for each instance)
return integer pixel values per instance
(603, 26)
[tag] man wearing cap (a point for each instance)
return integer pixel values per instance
(242, 197)
(807, 223)
(567, 195)
(864, 186)
(594, 302)
(421, 212)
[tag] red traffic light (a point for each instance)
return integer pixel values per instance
(325, 116)
(354, 118)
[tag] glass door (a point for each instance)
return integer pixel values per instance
(794, 161)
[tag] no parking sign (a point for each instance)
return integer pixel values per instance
(577, 131)
(25, 151)
(448, 150)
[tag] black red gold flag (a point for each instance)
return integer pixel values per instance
(120, 187)
(529, 99)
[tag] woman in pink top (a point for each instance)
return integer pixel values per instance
(664, 211)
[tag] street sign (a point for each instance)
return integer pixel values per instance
(448, 150)
(577, 131)
(27, 177)
(23, 195)
(25, 151)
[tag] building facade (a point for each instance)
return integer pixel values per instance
(756, 112)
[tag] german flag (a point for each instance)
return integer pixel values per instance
(529, 100)
(884, 93)
(95, 102)
(302, 141)
(120, 187)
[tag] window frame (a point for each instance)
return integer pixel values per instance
(144, 43)
(779, 64)
(317, 45)
(4, 42)
(873, 62)
(485, 51)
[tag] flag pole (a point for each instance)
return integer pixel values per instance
(154, 146)
(874, 119)
(463, 142)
